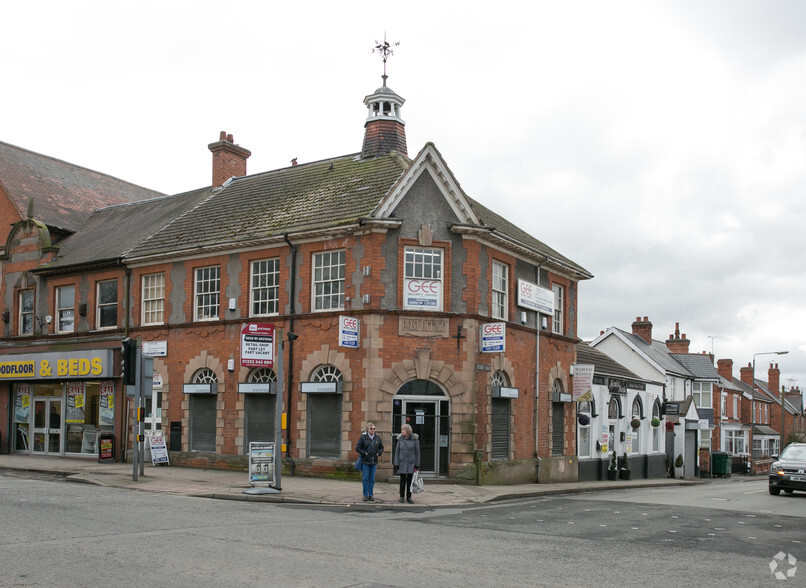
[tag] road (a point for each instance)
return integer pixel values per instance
(63, 534)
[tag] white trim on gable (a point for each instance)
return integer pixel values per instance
(429, 159)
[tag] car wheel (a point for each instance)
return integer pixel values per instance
(775, 491)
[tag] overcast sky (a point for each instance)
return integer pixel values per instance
(660, 145)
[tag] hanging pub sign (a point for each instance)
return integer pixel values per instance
(257, 345)
(534, 297)
(583, 382)
(348, 331)
(493, 337)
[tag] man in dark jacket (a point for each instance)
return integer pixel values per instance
(370, 447)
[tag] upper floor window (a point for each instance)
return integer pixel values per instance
(65, 309)
(328, 280)
(107, 313)
(558, 308)
(208, 286)
(422, 279)
(26, 312)
(264, 294)
(154, 299)
(500, 275)
(614, 407)
(735, 407)
(637, 408)
(724, 405)
(701, 391)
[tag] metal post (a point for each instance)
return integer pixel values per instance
(135, 445)
(278, 412)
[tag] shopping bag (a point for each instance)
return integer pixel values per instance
(416, 483)
(358, 465)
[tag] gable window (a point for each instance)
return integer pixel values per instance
(500, 274)
(26, 312)
(558, 309)
(65, 309)
(422, 278)
(701, 391)
(107, 313)
(208, 286)
(328, 280)
(153, 299)
(264, 295)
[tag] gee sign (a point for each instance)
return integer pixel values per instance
(493, 337)
(536, 298)
(67, 365)
(348, 331)
(422, 293)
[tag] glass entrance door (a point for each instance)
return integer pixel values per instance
(47, 433)
(428, 418)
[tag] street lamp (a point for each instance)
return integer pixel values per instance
(783, 419)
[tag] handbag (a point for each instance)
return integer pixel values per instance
(358, 465)
(416, 483)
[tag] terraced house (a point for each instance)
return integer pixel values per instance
(465, 325)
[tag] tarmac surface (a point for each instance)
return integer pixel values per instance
(295, 489)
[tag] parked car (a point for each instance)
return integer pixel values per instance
(788, 471)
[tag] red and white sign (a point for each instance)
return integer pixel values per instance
(493, 337)
(348, 331)
(536, 298)
(422, 293)
(257, 345)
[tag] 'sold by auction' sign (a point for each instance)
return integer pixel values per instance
(257, 345)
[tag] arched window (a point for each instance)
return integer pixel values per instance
(656, 410)
(261, 375)
(500, 409)
(203, 414)
(637, 408)
(205, 376)
(614, 407)
(325, 416)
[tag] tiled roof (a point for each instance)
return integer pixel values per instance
(700, 365)
(64, 194)
(318, 195)
(111, 232)
(604, 364)
(659, 353)
(495, 221)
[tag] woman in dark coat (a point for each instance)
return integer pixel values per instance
(370, 447)
(407, 460)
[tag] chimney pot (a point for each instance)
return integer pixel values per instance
(222, 136)
(229, 138)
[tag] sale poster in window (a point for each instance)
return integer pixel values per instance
(75, 402)
(107, 403)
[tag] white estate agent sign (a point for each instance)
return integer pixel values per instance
(257, 345)
(493, 337)
(348, 331)
(536, 298)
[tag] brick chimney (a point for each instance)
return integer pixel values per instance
(774, 380)
(384, 130)
(643, 328)
(747, 375)
(725, 368)
(675, 343)
(229, 159)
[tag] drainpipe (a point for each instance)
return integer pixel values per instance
(290, 364)
(537, 369)
(127, 278)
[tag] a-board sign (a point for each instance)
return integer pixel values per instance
(106, 447)
(261, 463)
(159, 451)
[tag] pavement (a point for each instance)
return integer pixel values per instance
(227, 485)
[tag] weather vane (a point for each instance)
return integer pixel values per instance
(385, 49)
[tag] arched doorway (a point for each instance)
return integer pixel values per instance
(425, 406)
